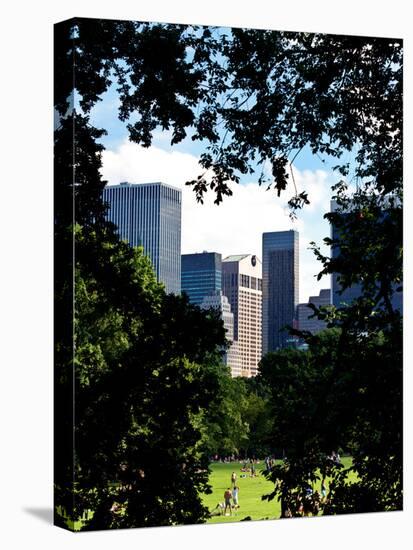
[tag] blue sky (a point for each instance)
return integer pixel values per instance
(104, 115)
(232, 228)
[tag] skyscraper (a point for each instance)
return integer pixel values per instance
(350, 293)
(218, 301)
(279, 287)
(341, 298)
(242, 284)
(201, 275)
(304, 313)
(149, 215)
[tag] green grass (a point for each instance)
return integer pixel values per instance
(250, 492)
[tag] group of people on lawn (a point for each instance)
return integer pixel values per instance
(249, 467)
(305, 506)
(230, 503)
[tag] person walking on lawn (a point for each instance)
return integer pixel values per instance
(233, 479)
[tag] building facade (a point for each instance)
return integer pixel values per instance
(218, 301)
(351, 293)
(280, 287)
(201, 275)
(149, 215)
(242, 284)
(341, 298)
(304, 313)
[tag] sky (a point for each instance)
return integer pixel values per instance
(236, 225)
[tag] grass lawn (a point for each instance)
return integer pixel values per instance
(250, 492)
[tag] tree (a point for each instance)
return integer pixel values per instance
(258, 416)
(253, 97)
(343, 393)
(238, 421)
(127, 450)
(224, 424)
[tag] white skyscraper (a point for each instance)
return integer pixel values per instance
(242, 284)
(218, 301)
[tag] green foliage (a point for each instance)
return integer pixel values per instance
(345, 392)
(368, 247)
(260, 421)
(253, 97)
(138, 381)
(224, 427)
(238, 422)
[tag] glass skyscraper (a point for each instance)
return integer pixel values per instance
(200, 275)
(342, 298)
(232, 356)
(280, 285)
(354, 291)
(149, 215)
(305, 318)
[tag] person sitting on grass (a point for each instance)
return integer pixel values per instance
(316, 503)
(227, 500)
(307, 501)
(218, 510)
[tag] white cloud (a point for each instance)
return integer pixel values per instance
(136, 164)
(317, 184)
(236, 225)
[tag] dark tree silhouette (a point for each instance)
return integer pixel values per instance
(345, 392)
(128, 382)
(252, 96)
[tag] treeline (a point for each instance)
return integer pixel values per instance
(239, 420)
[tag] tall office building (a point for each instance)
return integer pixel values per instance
(200, 275)
(354, 291)
(342, 298)
(232, 357)
(279, 287)
(149, 215)
(242, 284)
(304, 313)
